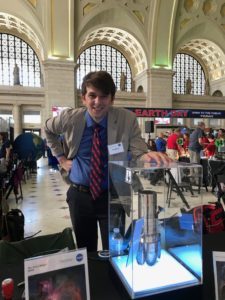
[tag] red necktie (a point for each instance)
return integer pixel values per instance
(96, 166)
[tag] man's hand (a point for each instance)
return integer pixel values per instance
(158, 157)
(65, 163)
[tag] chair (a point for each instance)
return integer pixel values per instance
(16, 252)
(15, 183)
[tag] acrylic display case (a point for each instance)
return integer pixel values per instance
(155, 231)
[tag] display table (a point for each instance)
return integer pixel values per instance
(105, 284)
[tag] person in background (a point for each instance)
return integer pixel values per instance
(183, 151)
(118, 133)
(172, 147)
(205, 140)
(196, 143)
(161, 143)
(210, 149)
(220, 140)
(186, 138)
(151, 145)
(45, 148)
(5, 147)
(221, 134)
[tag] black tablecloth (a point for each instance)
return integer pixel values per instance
(105, 284)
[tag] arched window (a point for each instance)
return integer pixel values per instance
(217, 93)
(107, 58)
(189, 77)
(18, 62)
(140, 89)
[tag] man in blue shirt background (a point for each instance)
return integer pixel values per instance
(161, 143)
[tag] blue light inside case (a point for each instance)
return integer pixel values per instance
(189, 255)
(167, 274)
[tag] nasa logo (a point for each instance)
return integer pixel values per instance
(79, 257)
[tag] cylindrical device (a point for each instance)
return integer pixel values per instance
(147, 209)
(7, 288)
(141, 253)
(152, 248)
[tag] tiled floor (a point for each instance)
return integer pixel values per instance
(44, 201)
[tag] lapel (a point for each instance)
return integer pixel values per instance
(112, 126)
(77, 130)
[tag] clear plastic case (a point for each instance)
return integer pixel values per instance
(157, 211)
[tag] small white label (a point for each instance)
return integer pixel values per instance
(115, 148)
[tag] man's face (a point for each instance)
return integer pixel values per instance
(97, 103)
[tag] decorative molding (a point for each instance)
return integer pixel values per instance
(194, 101)
(194, 9)
(139, 15)
(22, 96)
(124, 41)
(139, 8)
(211, 55)
(88, 8)
(10, 24)
(33, 3)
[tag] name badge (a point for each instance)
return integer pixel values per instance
(115, 148)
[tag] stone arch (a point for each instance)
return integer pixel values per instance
(209, 53)
(123, 41)
(13, 25)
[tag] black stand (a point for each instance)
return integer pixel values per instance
(173, 184)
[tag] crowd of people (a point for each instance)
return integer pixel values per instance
(184, 144)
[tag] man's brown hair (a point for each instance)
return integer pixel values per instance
(101, 80)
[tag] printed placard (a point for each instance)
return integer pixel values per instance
(63, 275)
(219, 274)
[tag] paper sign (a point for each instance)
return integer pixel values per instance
(63, 275)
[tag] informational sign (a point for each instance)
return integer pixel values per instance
(177, 113)
(219, 143)
(180, 141)
(56, 110)
(219, 274)
(63, 275)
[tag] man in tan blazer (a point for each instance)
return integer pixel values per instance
(118, 129)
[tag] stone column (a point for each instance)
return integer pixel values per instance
(159, 92)
(17, 116)
(59, 84)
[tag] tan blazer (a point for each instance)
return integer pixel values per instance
(122, 127)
